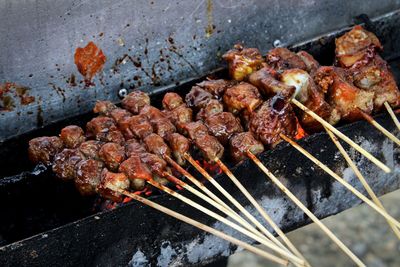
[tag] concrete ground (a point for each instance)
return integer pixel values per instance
(363, 230)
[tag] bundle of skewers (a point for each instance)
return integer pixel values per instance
(272, 99)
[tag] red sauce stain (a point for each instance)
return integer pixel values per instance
(89, 61)
(9, 91)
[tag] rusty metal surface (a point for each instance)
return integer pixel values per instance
(148, 44)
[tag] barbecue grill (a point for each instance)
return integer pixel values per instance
(45, 221)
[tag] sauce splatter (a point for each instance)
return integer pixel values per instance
(89, 61)
(9, 91)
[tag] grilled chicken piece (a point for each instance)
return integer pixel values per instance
(197, 98)
(100, 125)
(281, 58)
(43, 149)
(355, 46)
(64, 165)
(311, 64)
(112, 155)
(118, 114)
(242, 96)
(223, 125)
(240, 143)
(72, 136)
(273, 117)
(133, 147)
(111, 136)
(155, 144)
(212, 107)
(140, 126)
(343, 95)
(242, 61)
(195, 129)
(104, 107)
(88, 176)
(179, 146)
(266, 81)
(136, 171)
(90, 149)
(209, 147)
(115, 181)
(216, 87)
(135, 101)
(172, 101)
(155, 163)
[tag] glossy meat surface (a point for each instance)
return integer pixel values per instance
(114, 136)
(267, 83)
(216, 87)
(242, 96)
(90, 149)
(100, 125)
(112, 155)
(311, 64)
(281, 58)
(64, 165)
(195, 129)
(171, 101)
(88, 176)
(135, 101)
(140, 126)
(155, 144)
(134, 169)
(118, 114)
(133, 147)
(179, 146)
(72, 136)
(156, 164)
(104, 107)
(240, 143)
(212, 107)
(197, 98)
(209, 147)
(43, 149)
(115, 181)
(223, 125)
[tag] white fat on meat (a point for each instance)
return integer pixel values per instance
(299, 79)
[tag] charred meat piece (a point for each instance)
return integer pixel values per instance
(104, 107)
(198, 98)
(240, 143)
(273, 117)
(163, 127)
(90, 149)
(152, 113)
(355, 46)
(265, 81)
(114, 136)
(155, 144)
(209, 146)
(133, 147)
(135, 101)
(281, 58)
(64, 165)
(136, 170)
(100, 125)
(88, 176)
(110, 183)
(179, 115)
(213, 107)
(124, 126)
(195, 130)
(118, 114)
(172, 101)
(216, 87)
(155, 163)
(311, 64)
(72, 136)
(43, 149)
(179, 146)
(242, 61)
(140, 126)
(242, 96)
(223, 125)
(112, 155)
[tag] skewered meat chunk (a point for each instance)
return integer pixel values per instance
(311, 64)
(152, 113)
(112, 154)
(72, 136)
(180, 145)
(197, 98)
(265, 81)
(240, 143)
(273, 117)
(43, 149)
(110, 183)
(155, 144)
(135, 101)
(118, 114)
(355, 46)
(114, 136)
(100, 125)
(281, 58)
(172, 101)
(242, 96)
(140, 126)
(223, 125)
(156, 164)
(242, 61)
(209, 147)
(163, 127)
(88, 176)
(90, 149)
(104, 107)
(213, 107)
(216, 87)
(133, 147)
(64, 165)
(195, 129)
(124, 126)
(136, 171)
(179, 115)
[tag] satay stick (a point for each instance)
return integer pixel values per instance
(263, 213)
(342, 136)
(203, 227)
(218, 217)
(325, 229)
(233, 200)
(382, 129)
(340, 180)
(361, 178)
(391, 113)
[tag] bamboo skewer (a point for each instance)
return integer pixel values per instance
(233, 201)
(382, 129)
(214, 215)
(325, 229)
(361, 178)
(203, 227)
(340, 180)
(342, 136)
(263, 213)
(391, 113)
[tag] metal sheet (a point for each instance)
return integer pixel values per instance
(39, 38)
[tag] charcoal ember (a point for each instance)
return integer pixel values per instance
(136, 171)
(64, 165)
(112, 154)
(90, 149)
(140, 126)
(112, 182)
(104, 107)
(88, 176)
(43, 149)
(135, 101)
(240, 143)
(100, 125)
(223, 125)
(72, 136)
(171, 101)
(114, 136)
(155, 144)
(133, 147)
